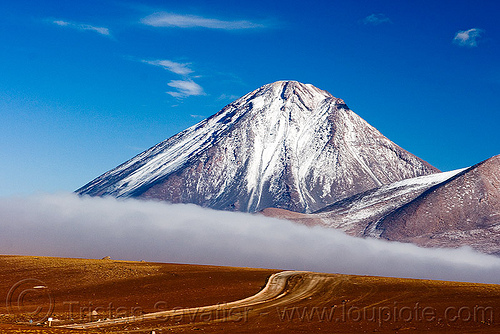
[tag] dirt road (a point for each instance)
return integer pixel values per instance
(298, 301)
(163, 298)
(274, 292)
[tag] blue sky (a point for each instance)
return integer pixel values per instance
(86, 85)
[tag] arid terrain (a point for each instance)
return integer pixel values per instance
(93, 296)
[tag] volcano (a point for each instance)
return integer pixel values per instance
(286, 145)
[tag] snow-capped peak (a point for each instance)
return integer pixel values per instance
(287, 144)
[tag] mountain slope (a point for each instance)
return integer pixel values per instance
(285, 145)
(465, 210)
(356, 214)
(452, 209)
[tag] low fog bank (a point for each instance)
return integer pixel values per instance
(67, 225)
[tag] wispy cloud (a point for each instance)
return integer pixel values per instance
(197, 116)
(164, 19)
(224, 97)
(70, 226)
(468, 38)
(376, 19)
(177, 68)
(81, 26)
(185, 88)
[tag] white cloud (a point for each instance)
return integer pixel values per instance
(163, 19)
(230, 97)
(177, 68)
(61, 23)
(80, 26)
(376, 19)
(71, 226)
(185, 88)
(468, 38)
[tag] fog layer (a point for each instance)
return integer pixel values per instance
(67, 225)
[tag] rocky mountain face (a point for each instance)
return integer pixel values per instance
(464, 210)
(357, 214)
(449, 209)
(285, 145)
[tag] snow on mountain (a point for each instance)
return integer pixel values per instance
(464, 210)
(357, 215)
(285, 145)
(452, 209)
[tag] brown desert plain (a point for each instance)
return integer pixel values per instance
(104, 296)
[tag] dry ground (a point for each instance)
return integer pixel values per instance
(310, 302)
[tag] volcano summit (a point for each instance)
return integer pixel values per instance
(286, 145)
